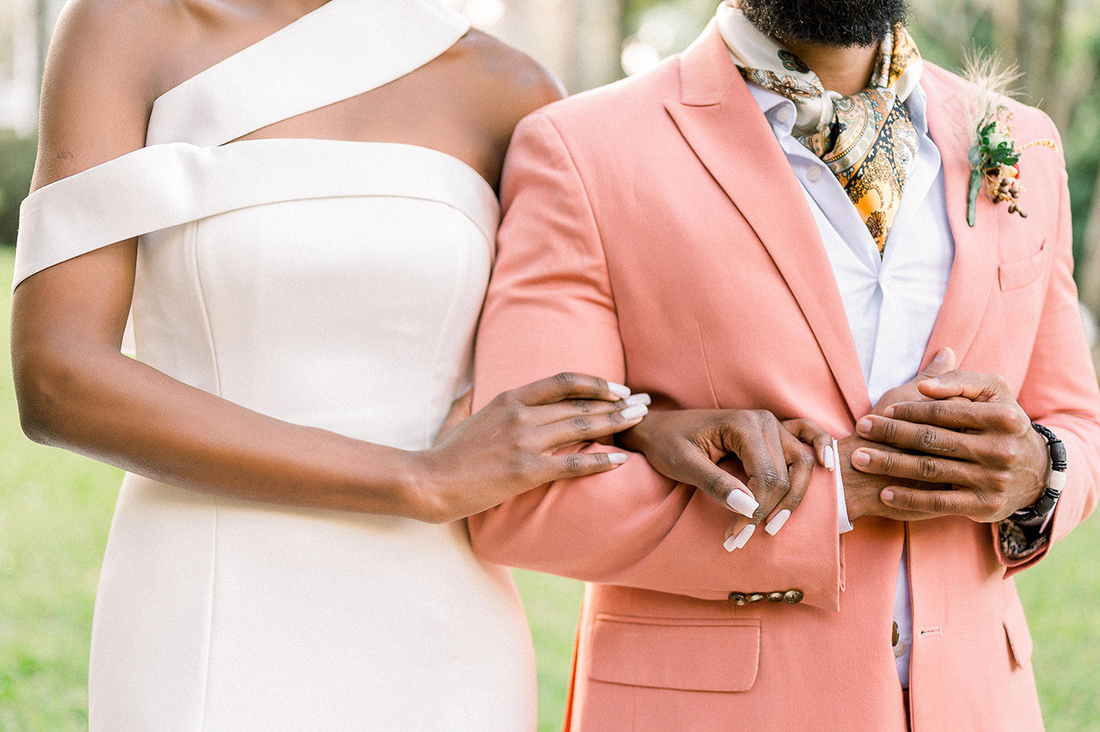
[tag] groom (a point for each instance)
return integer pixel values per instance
(782, 225)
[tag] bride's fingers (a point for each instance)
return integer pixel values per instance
(800, 466)
(586, 426)
(821, 441)
(549, 413)
(577, 464)
(460, 410)
(568, 385)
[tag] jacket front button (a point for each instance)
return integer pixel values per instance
(738, 598)
(793, 597)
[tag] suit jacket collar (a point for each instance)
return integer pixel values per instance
(723, 124)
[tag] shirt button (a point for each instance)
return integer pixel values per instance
(814, 174)
(783, 114)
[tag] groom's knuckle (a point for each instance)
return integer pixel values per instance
(939, 504)
(938, 412)
(889, 430)
(927, 468)
(927, 439)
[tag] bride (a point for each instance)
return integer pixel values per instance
(295, 200)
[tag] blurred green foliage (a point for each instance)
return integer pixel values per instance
(16, 167)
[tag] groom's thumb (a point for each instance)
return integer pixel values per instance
(941, 364)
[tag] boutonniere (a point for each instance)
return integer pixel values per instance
(994, 156)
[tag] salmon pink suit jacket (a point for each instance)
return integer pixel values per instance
(655, 234)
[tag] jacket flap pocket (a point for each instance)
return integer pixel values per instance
(685, 654)
(1014, 275)
(1019, 637)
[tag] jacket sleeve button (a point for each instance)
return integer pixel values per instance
(793, 597)
(775, 597)
(738, 598)
(756, 597)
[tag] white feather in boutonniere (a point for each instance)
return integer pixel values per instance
(994, 157)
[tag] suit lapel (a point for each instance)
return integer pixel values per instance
(722, 123)
(975, 265)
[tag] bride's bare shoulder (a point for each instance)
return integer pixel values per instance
(507, 82)
(103, 70)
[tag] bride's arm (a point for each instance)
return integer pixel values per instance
(76, 390)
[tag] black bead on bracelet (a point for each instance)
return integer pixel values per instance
(1053, 490)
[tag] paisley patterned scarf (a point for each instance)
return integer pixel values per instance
(868, 139)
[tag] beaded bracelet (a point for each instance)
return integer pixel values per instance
(1054, 486)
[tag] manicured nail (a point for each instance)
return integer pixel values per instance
(636, 412)
(864, 425)
(886, 495)
(616, 458)
(635, 399)
(736, 542)
(941, 356)
(861, 459)
(777, 522)
(830, 460)
(618, 390)
(889, 411)
(933, 381)
(742, 503)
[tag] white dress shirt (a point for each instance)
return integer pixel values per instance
(892, 301)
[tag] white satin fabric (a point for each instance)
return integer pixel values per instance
(326, 283)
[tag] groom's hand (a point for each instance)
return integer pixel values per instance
(970, 433)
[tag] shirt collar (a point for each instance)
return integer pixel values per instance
(780, 110)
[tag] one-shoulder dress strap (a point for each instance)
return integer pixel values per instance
(187, 172)
(342, 49)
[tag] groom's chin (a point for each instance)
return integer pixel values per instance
(843, 23)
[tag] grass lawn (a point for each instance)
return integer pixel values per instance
(55, 509)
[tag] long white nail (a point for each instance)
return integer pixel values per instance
(618, 390)
(635, 399)
(736, 542)
(830, 461)
(618, 458)
(777, 522)
(636, 412)
(742, 503)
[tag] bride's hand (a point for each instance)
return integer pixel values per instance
(511, 445)
(686, 446)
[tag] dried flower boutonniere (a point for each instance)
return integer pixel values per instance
(994, 157)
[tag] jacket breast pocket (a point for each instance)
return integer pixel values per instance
(688, 654)
(1021, 272)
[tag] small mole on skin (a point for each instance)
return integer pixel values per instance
(64, 155)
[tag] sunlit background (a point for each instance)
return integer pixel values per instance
(55, 508)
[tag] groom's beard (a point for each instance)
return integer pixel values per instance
(826, 22)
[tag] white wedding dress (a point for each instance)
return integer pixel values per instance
(325, 283)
